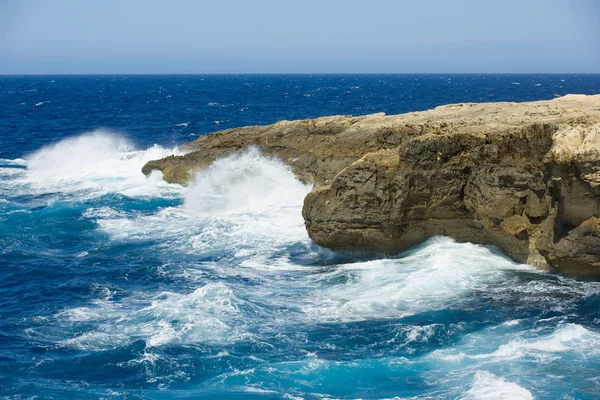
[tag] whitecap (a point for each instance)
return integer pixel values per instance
(12, 173)
(424, 279)
(487, 386)
(95, 341)
(79, 314)
(102, 212)
(246, 204)
(91, 165)
(209, 314)
(18, 162)
(566, 338)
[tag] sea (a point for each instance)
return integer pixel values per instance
(114, 285)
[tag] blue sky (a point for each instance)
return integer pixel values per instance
(268, 36)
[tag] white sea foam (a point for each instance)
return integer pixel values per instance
(249, 206)
(439, 271)
(566, 338)
(245, 183)
(487, 386)
(12, 173)
(79, 314)
(245, 203)
(209, 314)
(411, 334)
(15, 162)
(93, 164)
(94, 341)
(102, 212)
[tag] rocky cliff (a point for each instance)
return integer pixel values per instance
(522, 176)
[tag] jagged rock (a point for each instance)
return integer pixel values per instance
(522, 176)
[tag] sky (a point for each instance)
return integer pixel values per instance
(308, 36)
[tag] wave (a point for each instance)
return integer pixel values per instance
(232, 248)
(245, 204)
(423, 279)
(209, 314)
(248, 207)
(90, 165)
(565, 338)
(521, 344)
(487, 386)
(18, 162)
(244, 208)
(245, 183)
(11, 169)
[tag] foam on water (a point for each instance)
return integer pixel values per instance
(513, 349)
(424, 279)
(209, 314)
(17, 162)
(238, 269)
(487, 386)
(90, 165)
(249, 206)
(245, 204)
(245, 183)
(566, 338)
(11, 169)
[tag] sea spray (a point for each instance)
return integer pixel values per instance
(224, 280)
(487, 386)
(93, 164)
(116, 285)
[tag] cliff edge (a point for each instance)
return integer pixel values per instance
(522, 176)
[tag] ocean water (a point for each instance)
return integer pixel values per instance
(118, 286)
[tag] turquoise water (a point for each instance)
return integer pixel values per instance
(114, 285)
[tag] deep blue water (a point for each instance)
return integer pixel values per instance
(114, 285)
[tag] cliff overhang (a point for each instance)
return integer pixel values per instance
(522, 176)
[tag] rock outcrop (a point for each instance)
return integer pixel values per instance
(522, 176)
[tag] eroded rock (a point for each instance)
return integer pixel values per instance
(522, 176)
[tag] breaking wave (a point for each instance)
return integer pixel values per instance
(221, 277)
(423, 279)
(487, 386)
(91, 165)
(209, 314)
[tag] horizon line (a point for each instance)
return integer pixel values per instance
(289, 73)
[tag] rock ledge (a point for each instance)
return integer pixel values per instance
(522, 176)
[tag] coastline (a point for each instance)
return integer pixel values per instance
(522, 176)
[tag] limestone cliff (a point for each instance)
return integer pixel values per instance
(522, 176)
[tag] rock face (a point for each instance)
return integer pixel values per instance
(522, 176)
